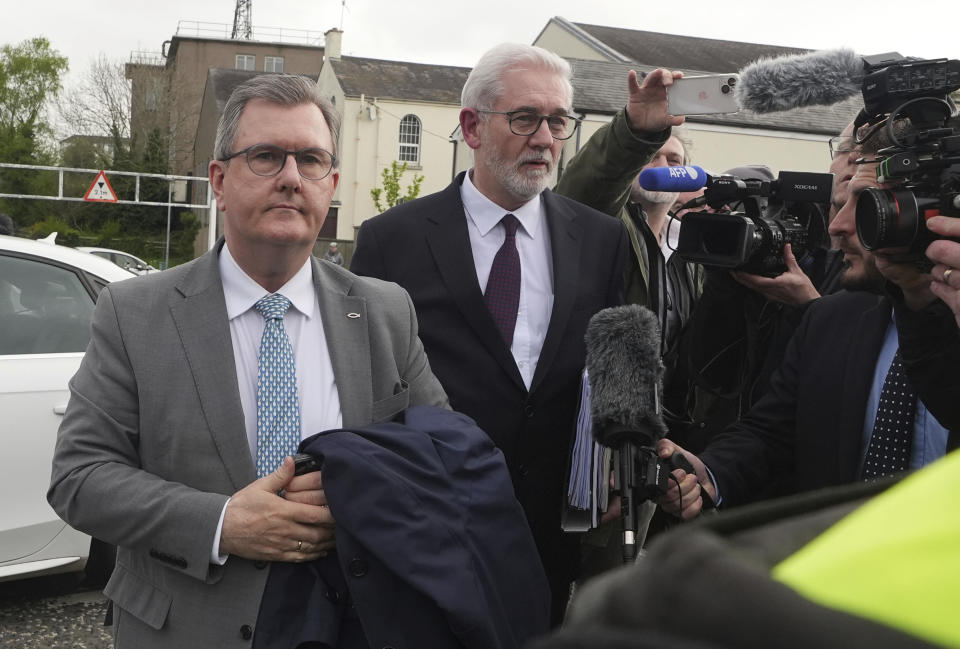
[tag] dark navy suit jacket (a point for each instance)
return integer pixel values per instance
(432, 546)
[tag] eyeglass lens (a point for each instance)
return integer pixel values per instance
(268, 160)
(527, 123)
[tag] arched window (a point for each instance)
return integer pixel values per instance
(409, 139)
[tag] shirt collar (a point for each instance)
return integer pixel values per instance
(241, 292)
(486, 214)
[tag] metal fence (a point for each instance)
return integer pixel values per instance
(176, 193)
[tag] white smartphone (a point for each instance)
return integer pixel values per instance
(703, 95)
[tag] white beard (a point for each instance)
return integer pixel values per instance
(640, 194)
(523, 185)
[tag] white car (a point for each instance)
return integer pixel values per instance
(122, 259)
(47, 294)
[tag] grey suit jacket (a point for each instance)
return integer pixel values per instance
(153, 441)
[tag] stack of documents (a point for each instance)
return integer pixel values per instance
(588, 486)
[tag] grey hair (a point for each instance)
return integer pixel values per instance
(484, 85)
(281, 89)
(686, 142)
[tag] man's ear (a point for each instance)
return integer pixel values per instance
(216, 172)
(470, 127)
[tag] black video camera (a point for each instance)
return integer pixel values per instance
(755, 219)
(923, 159)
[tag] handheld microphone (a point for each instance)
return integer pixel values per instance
(673, 179)
(820, 78)
(623, 363)
(626, 373)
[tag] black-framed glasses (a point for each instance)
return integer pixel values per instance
(527, 122)
(268, 160)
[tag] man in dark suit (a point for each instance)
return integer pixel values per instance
(169, 422)
(517, 373)
(823, 421)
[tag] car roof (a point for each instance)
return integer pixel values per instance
(95, 249)
(98, 266)
(111, 250)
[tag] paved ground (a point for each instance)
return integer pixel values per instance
(56, 612)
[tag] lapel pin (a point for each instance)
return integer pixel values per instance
(353, 315)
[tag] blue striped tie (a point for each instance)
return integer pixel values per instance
(278, 408)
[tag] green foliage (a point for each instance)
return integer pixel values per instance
(84, 154)
(66, 236)
(30, 74)
(389, 195)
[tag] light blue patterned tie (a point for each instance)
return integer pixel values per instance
(278, 408)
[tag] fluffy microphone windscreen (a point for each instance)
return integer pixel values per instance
(623, 362)
(820, 78)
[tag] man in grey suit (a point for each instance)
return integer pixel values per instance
(157, 449)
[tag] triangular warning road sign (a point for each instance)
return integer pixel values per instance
(101, 191)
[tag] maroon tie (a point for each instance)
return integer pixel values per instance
(503, 286)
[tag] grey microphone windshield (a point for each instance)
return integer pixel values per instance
(820, 78)
(623, 362)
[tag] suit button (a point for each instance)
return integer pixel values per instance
(528, 411)
(246, 632)
(358, 567)
(522, 470)
(260, 565)
(333, 596)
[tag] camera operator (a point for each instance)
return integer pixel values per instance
(815, 426)
(738, 333)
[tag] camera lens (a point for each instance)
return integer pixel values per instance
(732, 81)
(886, 219)
(725, 89)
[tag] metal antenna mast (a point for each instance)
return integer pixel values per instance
(242, 24)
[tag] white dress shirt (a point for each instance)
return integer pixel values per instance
(536, 267)
(321, 411)
(319, 399)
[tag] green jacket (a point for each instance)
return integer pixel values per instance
(600, 175)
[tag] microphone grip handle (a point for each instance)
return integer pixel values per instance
(628, 502)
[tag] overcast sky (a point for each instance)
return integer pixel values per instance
(443, 32)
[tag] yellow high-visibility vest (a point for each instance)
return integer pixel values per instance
(895, 560)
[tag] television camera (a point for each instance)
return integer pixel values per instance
(754, 219)
(910, 100)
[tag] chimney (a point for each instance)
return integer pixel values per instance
(332, 39)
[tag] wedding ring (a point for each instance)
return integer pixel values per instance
(946, 275)
(299, 546)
